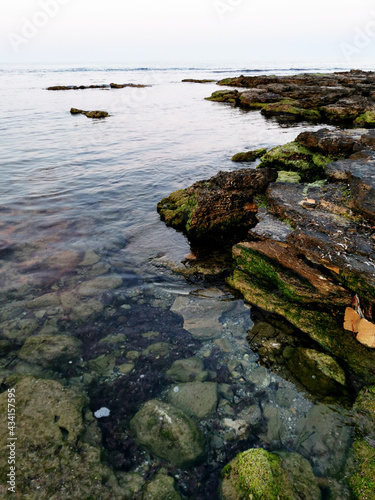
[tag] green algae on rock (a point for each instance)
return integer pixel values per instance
(161, 488)
(249, 155)
(51, 350)
(286, 176)
(217, 207)
(296, 158)
(169, 434)
(54, 459)
(258, 474)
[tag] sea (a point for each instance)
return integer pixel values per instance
(78, 201)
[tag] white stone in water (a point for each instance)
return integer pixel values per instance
(102, 412)
(176, 389)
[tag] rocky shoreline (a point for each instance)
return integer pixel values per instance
(303, 227)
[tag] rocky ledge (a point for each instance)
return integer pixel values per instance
(89, 114)
(103, 86)
(345, 97)
(307, 249)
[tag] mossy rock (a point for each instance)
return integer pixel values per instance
(318, 372)
(54, 461)
(290, 177)
(366, 120)
(169, 434)
(261, 475)
(177, 209)
(161, 488)
(249, 155)
(291, 108)
(230, 96)
(364, 408)
(320, 325)
(296, 158)
(361, 471)
(51, 350)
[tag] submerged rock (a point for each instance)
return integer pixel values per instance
(317, 371)
(161, 488)
(258, 474)
(187, 370)
(51, 350)
(55, 461)
(103, 86)
(192, 80)
(195, 398)
(169, 434)
(224, 204)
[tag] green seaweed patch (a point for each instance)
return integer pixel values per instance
(362, 480)
(249, 155)
(296, 158)
(366, 119)
(226, 81)
(230, 96)
(177, 209)
(289, 177)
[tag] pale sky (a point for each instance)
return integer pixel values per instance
(187, 32)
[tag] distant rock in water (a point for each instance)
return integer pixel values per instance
(103, 86)
(192, 80)
(89, 114)
(344, 97)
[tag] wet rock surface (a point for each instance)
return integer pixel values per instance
(223, 204)
(89, 114)
(345, 97)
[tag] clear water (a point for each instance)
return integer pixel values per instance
(71, 185)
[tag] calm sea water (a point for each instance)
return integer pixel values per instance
(70, 185)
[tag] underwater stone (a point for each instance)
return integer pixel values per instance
(99, 285)
(195, 398)
(51, 350)
(169, 434)
(161, 488)
(185, 370)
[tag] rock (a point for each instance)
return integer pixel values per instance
(18, 331)
(79, 310)
(317, 371)
(249, 155)
(126, 368)
(157, 349)
(360, 174)
(90, 258)
(89, 114)
(324, 435)
(235, 429)
(297, 158)
(50, 437)
(169, 434)
(113, 339)
(195, 398)
(186, 370)
(104, 86)
(99, 285)
(256, 473)
(364, 411)
(223, 204)
(103, 365)
(5, 347)
(161, 488)
(345, 97)
(360, 470)
(328, 142)
(131, 485)
(65, 260)
(47, 300)
(260, 377)
(202, 316)
(51, 351)
(192, 80)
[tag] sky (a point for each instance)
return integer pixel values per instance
(188, 32)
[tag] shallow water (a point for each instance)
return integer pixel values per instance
(75, 189)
